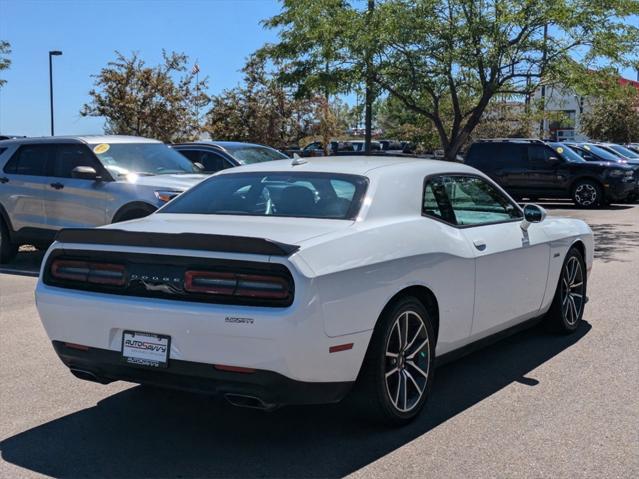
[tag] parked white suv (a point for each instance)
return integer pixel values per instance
(62, 182)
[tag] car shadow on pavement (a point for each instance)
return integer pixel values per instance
(613, 241)
(144, 432)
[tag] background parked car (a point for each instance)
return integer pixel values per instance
(316, 148)
(537, 169)
(621, 151)
(59, 182)
(215, 156)
(595, 152)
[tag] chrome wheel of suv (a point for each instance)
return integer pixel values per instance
(587, 194)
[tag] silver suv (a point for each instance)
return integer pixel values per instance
(59, 182)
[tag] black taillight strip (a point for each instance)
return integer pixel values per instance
(211, 280)
(190, 241)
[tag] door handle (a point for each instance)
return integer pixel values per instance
(57, 186)
(4, 179)
(480, 244)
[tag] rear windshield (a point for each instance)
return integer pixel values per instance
(248, 155)
(306, 195)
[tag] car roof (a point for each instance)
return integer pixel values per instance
(222, 144)
(354, 165)
(88, 139)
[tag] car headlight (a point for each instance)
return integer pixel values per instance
(619, 173)
(166, 195)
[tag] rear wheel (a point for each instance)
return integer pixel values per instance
(398, 369)
(587, 194)
(568, 305)
(8, 249)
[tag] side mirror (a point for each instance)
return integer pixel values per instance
(532, 214)
(85, 173)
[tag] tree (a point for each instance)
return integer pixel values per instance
(5, 61)
(446, 59)
(316, 49)
(157, 102)
(435, 54)
(614, 119)
(260, 110)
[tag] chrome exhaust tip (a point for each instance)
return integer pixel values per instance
(86, 375)
(252, 402)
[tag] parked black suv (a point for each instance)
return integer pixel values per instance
(537, 169)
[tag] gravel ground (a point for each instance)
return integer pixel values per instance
(533, 405)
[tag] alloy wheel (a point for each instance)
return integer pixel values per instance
(407, 361)
(572, 291)
(586, 194)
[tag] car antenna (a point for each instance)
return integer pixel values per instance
(298, 160)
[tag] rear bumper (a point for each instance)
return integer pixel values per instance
(287, 341)
(271, 388)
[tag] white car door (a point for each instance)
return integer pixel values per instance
(511, 265)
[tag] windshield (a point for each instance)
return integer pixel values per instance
(622, 150)
(306, 195)
(600, 153)
(247, 155)
(566, 152)
(142, 159)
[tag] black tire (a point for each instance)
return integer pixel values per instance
(567, 309)
(396, 398)
(587, 194)
(8, 249)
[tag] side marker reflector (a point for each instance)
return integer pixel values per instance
(233, 369)
(340, 347)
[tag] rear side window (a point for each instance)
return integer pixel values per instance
(493, 156)
(467, 201)
(31, 160)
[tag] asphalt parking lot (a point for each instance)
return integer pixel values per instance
(533, 405)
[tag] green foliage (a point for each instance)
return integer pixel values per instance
(260, 110)
(158, 102)
(5, 61)
(613, 118)
(445, 60)
(316, 40)
(436, 55)
(264, 110)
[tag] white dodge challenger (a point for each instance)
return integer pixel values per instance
(291, 282)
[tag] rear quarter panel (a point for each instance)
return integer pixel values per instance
(356, 274)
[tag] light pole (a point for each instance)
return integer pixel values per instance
(51, 54)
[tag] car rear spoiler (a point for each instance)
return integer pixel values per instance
(193, 241)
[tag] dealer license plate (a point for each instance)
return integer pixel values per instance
(145, 349)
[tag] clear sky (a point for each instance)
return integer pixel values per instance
(220, 34)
